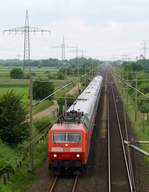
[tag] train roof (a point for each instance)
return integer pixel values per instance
(85, 101)
(69, 126)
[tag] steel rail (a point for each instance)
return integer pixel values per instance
(54, 182)
(52, 187)
(75, 184)
(122, 143)
(109, 149)
(128, 150)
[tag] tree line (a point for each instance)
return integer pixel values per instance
(50, 62)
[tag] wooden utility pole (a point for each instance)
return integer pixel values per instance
(31, 163)
(136, 100)
(127, 89)
(65, 95)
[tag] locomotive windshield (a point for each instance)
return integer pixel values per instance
(66, 137)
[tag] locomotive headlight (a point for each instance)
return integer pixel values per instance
(54, 155)
(78, 155)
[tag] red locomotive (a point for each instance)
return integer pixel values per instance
(70, 138)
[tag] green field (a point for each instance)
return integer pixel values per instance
(21, 86)
(38, 72)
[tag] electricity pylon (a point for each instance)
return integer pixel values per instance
(77, 51)
(63, 48)
(82, 52)
(26, 30)
(145, 48)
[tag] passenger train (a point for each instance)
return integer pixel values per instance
(69, 139)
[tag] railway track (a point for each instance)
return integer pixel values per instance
(126, 135)
(54, 186)
(111, 168)
(109, 164)
(120, 177)
(108, 148)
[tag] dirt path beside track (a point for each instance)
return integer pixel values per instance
(47, 112)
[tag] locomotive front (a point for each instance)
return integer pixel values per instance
(66, 144)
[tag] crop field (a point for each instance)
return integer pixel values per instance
(21, 86)
(38, 72)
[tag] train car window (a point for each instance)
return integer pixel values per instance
(59, 137)
(67, 137)
(74, 137)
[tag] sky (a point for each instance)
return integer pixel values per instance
(104, 29)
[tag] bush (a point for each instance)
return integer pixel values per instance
(43, 123)
(51, 76)
(143, 104)
(27, 75)
(60, 75)
(42, 89)
(144, 87)
(84, 80)
(61, 102)
(16, 73)
(70, 99)
(12, 116)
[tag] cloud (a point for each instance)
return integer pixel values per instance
(102, 28)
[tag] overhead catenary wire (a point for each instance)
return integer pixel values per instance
(128, 85)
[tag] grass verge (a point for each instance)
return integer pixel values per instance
(140, 126)
(42, 106)
(22, 180)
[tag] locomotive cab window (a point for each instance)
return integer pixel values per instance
(67, 137)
